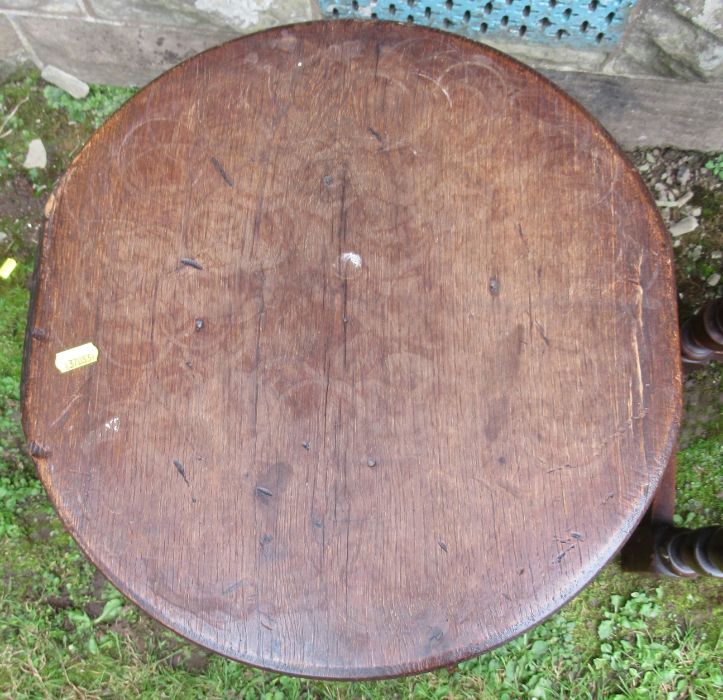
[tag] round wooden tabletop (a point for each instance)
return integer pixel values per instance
(387, 349)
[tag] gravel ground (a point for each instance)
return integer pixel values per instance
(690, 200)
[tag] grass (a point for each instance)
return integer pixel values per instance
(66, 633)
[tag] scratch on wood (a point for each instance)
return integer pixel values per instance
(232, 588)
(65, 411)
(521, 234)
(559, 469)
(541, 330)
(436, 635)
(438, 84)
(191, 262)
(639, 326)
(222, 172)
(500, 483)
(561, 555)
(376, 135)
(181, 471)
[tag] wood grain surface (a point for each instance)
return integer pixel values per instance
(388, 352)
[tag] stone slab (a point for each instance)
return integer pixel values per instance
(241, 15)
(637, 111)
(113, 54)
(12, 53)
(707, 14)
(543, 56)
(50, 7)
(646, 112)
(673, 39)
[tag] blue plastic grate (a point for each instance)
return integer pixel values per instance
(581, 24)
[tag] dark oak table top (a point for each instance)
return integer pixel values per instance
(387, 349)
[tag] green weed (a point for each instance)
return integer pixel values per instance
(715, 165)
(96, 107)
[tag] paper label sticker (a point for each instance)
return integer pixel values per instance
(6, 269)
(76, 357)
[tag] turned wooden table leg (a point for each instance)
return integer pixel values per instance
(657, 546)
(690, 553)
(701, 336)
(640, 551)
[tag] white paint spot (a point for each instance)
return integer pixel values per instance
(299, 64)
(113, 424)
(353, 259)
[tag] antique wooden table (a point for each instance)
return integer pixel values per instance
(387, 350)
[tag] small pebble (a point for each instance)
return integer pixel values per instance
(713, 279)
(685, 198)
(199, 324)
(686, 225)
(36, 156)
(65, 81)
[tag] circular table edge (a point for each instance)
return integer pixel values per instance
(431, 662)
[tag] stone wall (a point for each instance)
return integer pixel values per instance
(129, 42)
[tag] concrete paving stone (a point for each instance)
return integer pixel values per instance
(542, 56)
(12, 53)
(647, 112)
(50, 7)
(243, 15)
(111, 54)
